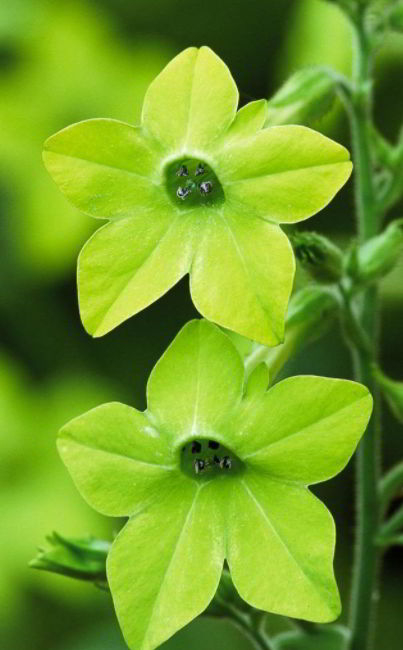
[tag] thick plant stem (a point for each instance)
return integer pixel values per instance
(364, 590)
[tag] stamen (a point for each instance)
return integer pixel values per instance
(199, 169)
(225, 462)
(200, 462)
(196, 447)
(182, 171)
(199, 465)
(183, 192)
(205, 187)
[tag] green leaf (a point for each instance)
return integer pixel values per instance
(304, 429)
(106, 168)
(117, 459)
(129, 263)
(165, 566)
(192, 102)
(248, 120)
(196, 382)
(283, 174)
(242, 276)
(332, 637)
(285, 565)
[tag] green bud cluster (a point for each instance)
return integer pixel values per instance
(319, 256)
(83, 559)
(377, 256)
(304, 98)
(310, 313)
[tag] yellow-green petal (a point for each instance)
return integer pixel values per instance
(165, 565)
(197, 381)
(106, 168)
(283, 174)
(117, 459)
(303, 429)
(130, 263)
(242, 276)
(280, 549)
(192, 102)
(248, 120)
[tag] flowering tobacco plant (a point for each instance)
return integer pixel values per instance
(205, 480)
(198, 188)
(214, 475)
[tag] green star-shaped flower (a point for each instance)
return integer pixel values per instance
(216, 470)
(198, 188)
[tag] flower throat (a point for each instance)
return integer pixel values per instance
(206, 459)
(191, 182)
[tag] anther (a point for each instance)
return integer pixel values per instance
(225, 462)
(213, 444)
(199, 170)
(205, 187)
(199, 465)
(196, 447)
(182, 171)
(182, 192)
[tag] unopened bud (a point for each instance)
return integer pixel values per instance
(377, 256)
(319, 256)
(310, 308)
(310, 312)
(392, 391)
(304, 98)
(84, 559)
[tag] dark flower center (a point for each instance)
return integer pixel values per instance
(206, 459)
(191, 182)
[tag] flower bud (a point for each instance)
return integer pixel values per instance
(395, 17)
(392, 391)
(84, 559)
(304, 98)
(377, 256)
(319, 256)
(310, 306)
(310, 313)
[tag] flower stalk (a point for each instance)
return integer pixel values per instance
(363, 596)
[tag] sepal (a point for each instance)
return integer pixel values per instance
(83, 558)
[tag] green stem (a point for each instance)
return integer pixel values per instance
(366, 554)
(389, 485)
(393, 524)
(254, 630)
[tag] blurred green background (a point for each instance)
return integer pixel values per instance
(65, 61)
